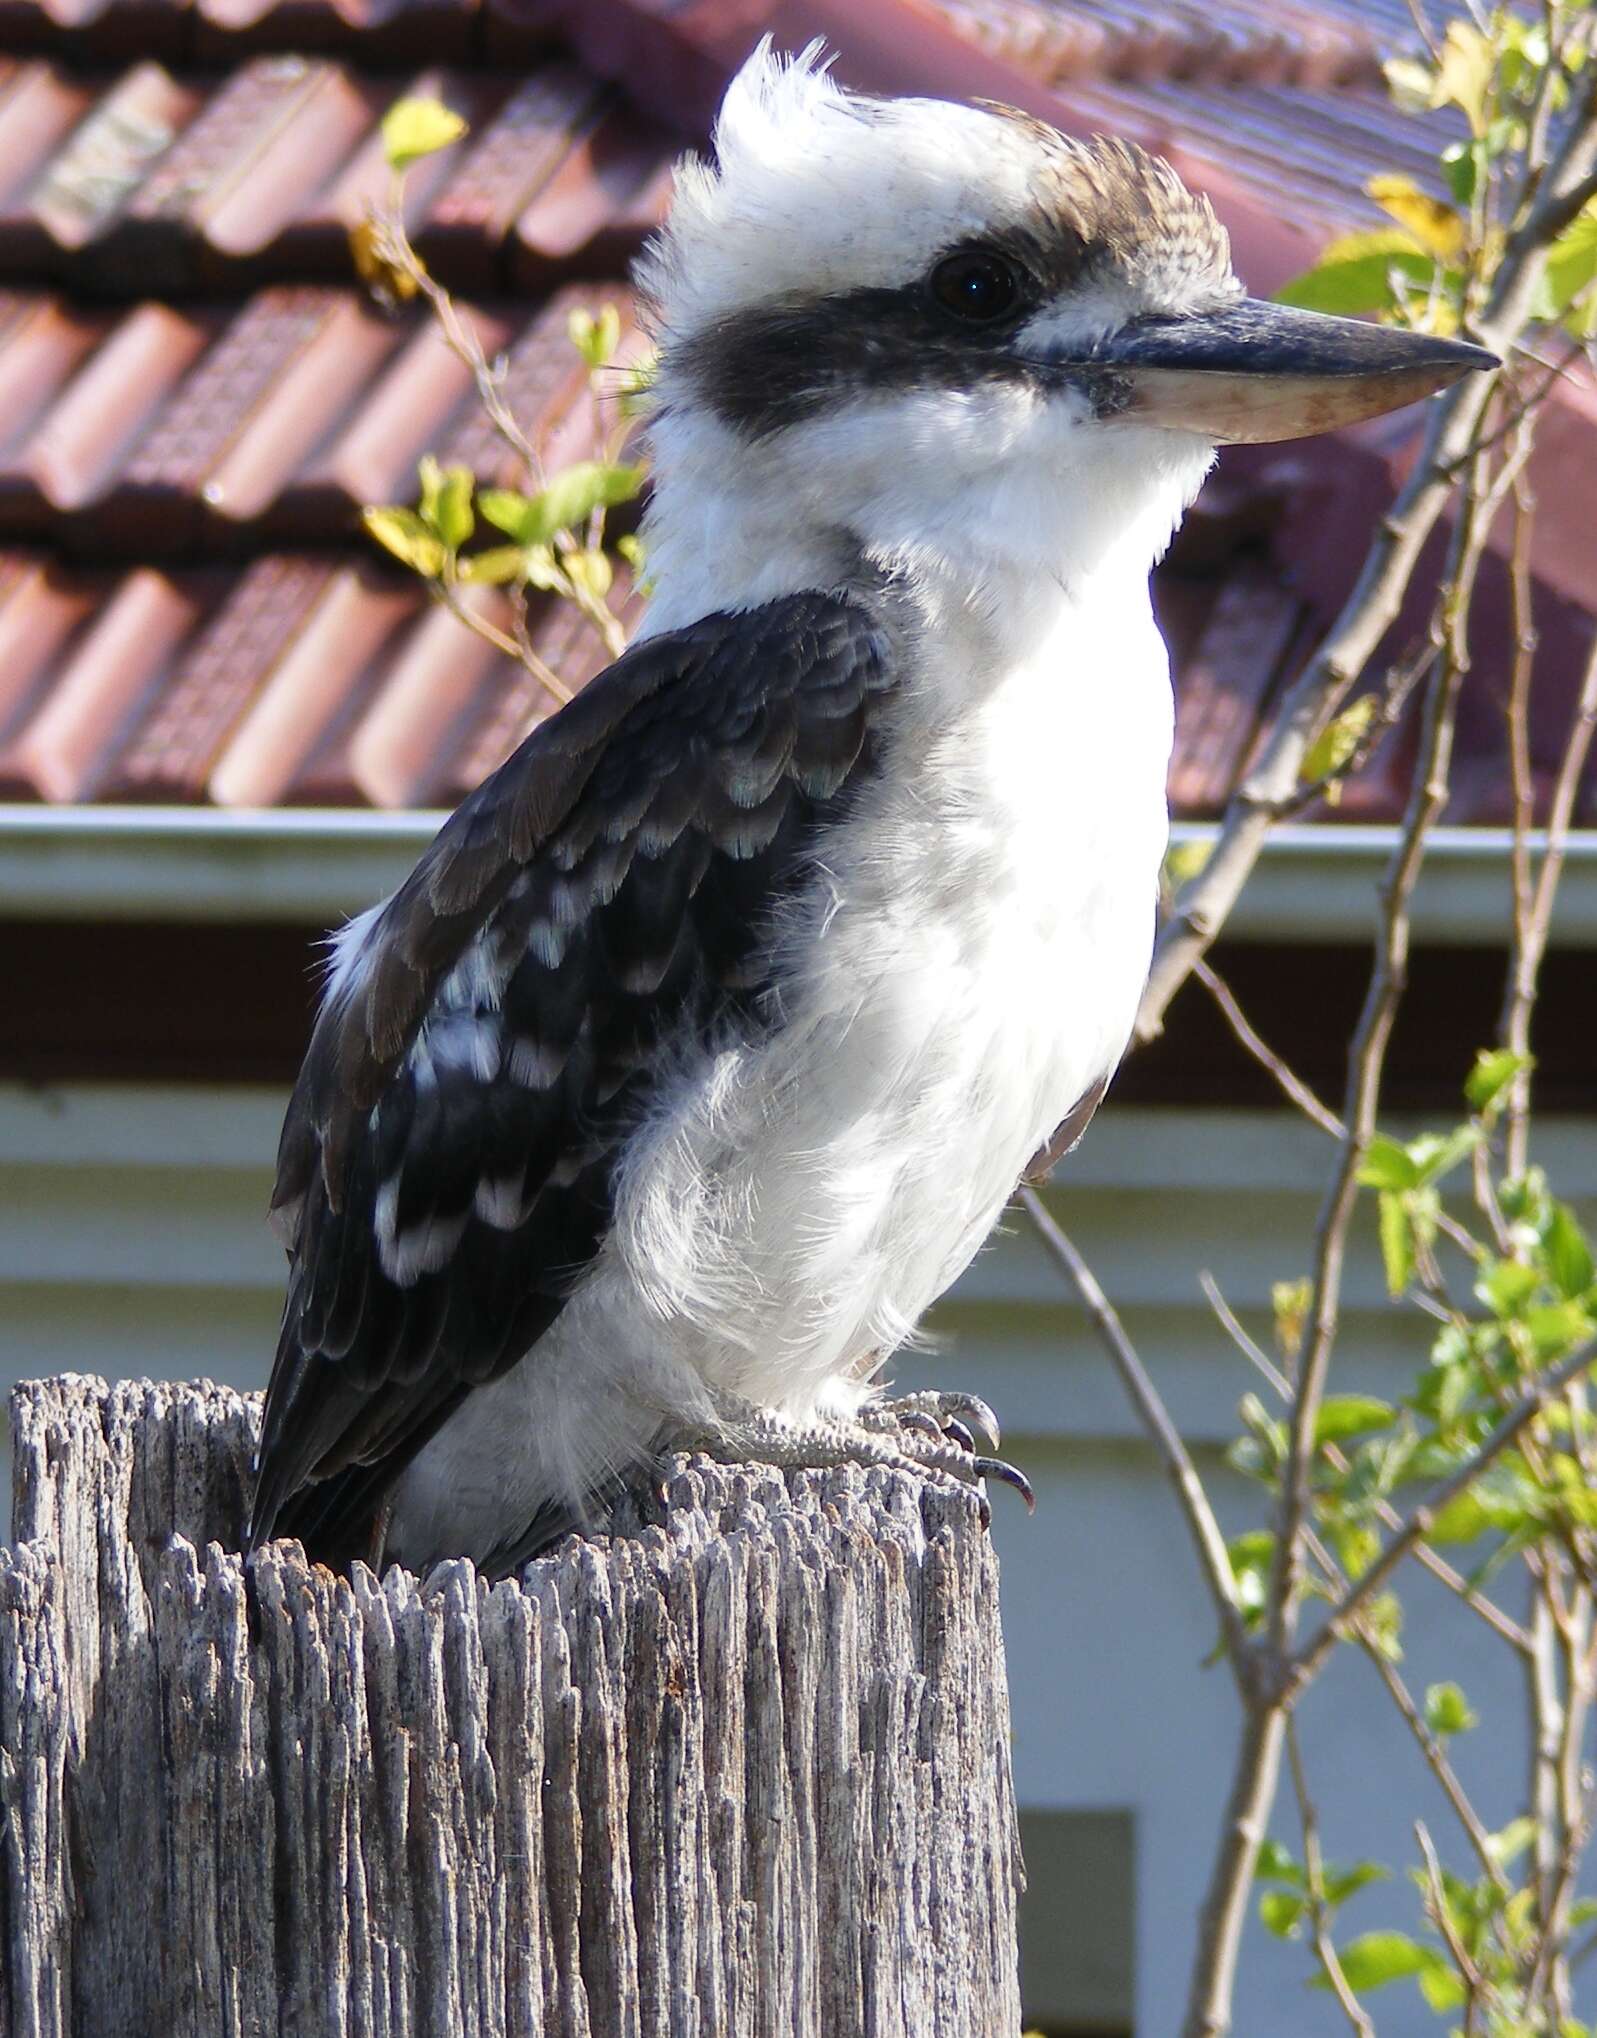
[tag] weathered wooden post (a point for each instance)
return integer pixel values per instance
(746, 1773)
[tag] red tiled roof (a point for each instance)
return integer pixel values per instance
(163, 431)
(1224, 41)
(196, 399)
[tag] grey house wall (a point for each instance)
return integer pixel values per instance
(132, 1240)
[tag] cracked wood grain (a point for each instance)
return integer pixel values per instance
(742, 1770)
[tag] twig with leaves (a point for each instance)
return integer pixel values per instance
(1495, 1433)
(556, 524)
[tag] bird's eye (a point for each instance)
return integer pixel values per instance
(976, 286)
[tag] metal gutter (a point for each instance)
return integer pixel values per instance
(314, 867)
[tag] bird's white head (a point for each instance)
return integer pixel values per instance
(951, 337)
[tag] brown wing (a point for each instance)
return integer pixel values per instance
(445, 1168)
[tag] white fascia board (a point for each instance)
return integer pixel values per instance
(298, 865)
(147, 1204)
(316, 866)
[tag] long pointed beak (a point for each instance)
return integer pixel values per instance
(1253, 371)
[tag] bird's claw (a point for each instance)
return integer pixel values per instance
(948, 1421)
(942, 1407)
(1008, 1475)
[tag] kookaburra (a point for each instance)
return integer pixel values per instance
(703, 1047)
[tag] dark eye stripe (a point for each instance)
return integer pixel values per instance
(775, 365)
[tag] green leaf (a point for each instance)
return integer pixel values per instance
(1347, 1415)
(1290, 1302)
(446, 501)
(1275, 1864)
(1386, 1165)
(1397, 1242)
(595, 339)
(1341, 1883)
(1437, 227)
(1250, 1557)
(543, 570)
(403, 533)
(1338, 741)
(592, 570)
(1495, 1069)
(1571, 265)
(413, 128)
(1375, 1958)
(568, 500)
(573, 495)
(1568, 1256)
(1507, 1286)
(496, 567)
(1184, 860)
(1464, 75)
(1448, 1711)
(1556, 1328)
(1435, 1154)
(1462, 163)
(1441, 1986)
(1502, 1499)
(1506, 1845)
(1357, 1547)
(505, 509)
(1281, 1911)
(1383, 1617)
(1355, 273)
(1524, 1199)
(1410, 81)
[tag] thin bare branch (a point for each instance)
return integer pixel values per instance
(1427, 34)
(1435, 1757)
(1225, 1901)
(1532, 928)
(391, 245)
(448, 595)
(1179, 1468)
(1291, 1086)
(1441, 1917)
(1250, 1349)
(1314, 1888)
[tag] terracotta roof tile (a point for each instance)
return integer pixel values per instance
(171, 754)
(162, 431)
(325, 678)
(1322, 44)
(304, 678)
(151, 180)
(219, 31)
(119, 661)
(1304, 154)
(1228, 675)
(1219, 40)
(195, 400)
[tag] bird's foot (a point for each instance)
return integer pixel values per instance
(924, 1434)
(951, 1416)
(927, 1426)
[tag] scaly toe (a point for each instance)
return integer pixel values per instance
(942, 1407)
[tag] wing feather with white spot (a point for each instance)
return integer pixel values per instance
(492, 1031)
